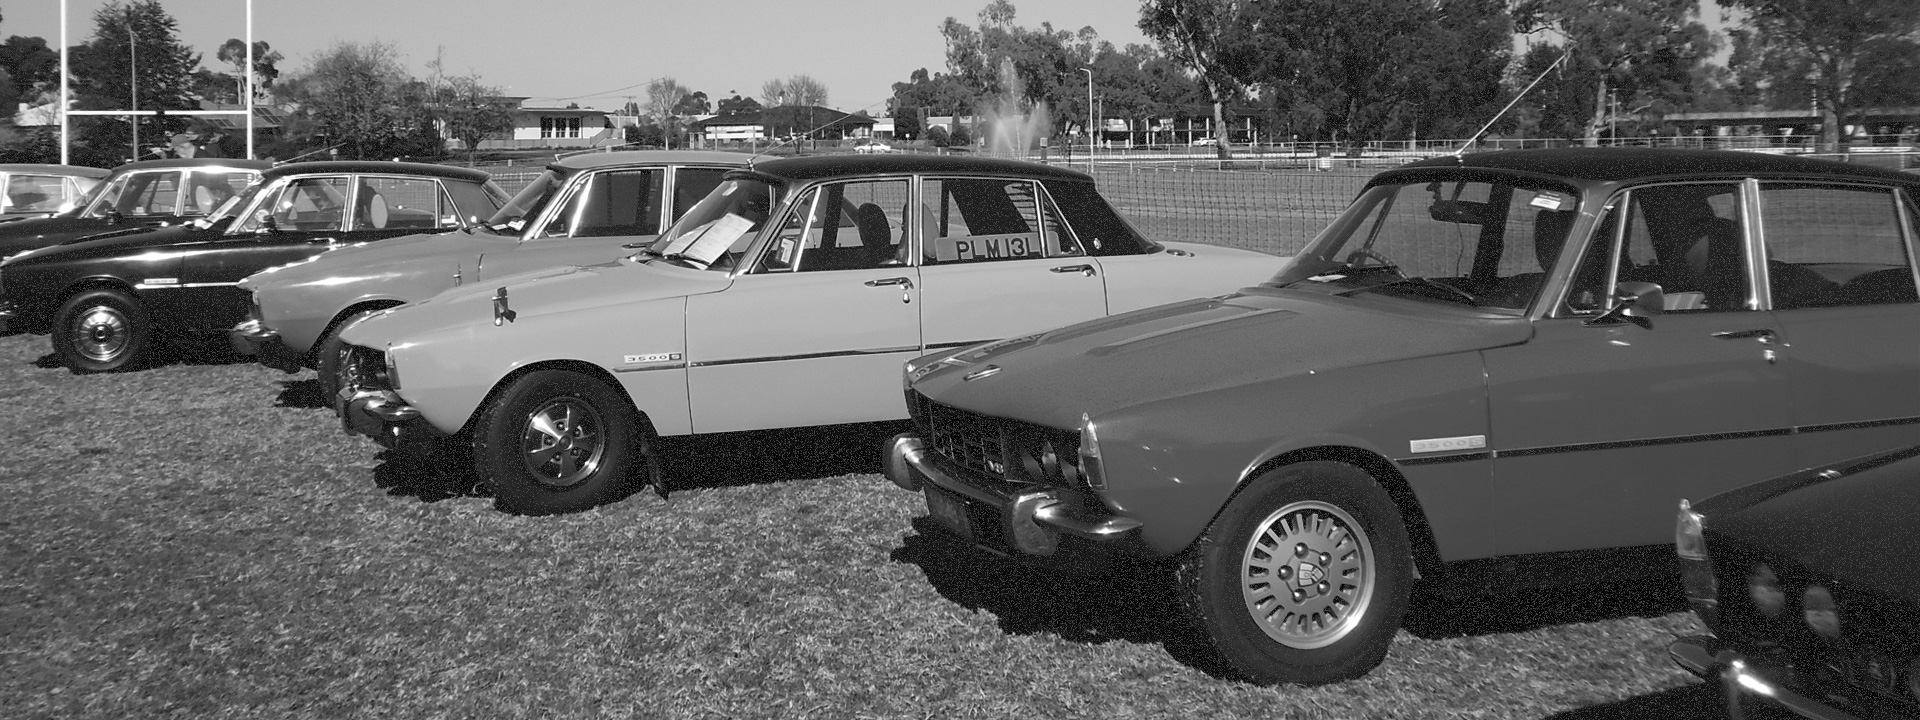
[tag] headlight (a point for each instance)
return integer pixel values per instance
(1763, 587)
(1821, 612)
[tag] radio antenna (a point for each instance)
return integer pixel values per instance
(1515, 101)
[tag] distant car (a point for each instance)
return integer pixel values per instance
(1205, 142)
(148, 193)
(105, 299)
(869, 148)
(788, 297)
(1486, 363)
(1808, 585)
(584, 209)
(34, 190)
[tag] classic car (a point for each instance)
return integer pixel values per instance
(36, 190)
(105, 298)
(1807, 585)
(148, 193)
(1486, 366)
(583, 209)
(788, 297)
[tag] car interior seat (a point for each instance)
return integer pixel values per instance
(876, 235)
(372, 213)
(1550, 228)
(1715, 259)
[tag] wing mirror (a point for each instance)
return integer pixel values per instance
(1634, 302)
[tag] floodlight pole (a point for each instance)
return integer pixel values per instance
(1090, 134)
(65, 130)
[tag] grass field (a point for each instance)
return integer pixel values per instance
(199, 540)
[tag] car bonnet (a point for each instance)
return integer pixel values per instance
(1194, 347)
(360, 259)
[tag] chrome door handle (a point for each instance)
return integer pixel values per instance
(882, 282)
(1764, 335)
(1083, 269)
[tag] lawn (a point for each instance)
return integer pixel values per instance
(199, 540)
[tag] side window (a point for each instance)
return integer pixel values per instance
(1688, 239)
(984, 220)
(618, 202)
(307, 204)
(149, 194)
(390, 203)
(1829, 245)
(842, 226)
(36, 193)
(207, 189)
(692, 184)
(1100, 228)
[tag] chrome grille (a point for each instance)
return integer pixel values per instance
(997, 448)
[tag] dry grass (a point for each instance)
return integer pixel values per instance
(200, 541)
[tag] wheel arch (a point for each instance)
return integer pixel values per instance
(642, 422)
(1426, 551)
(84, 285)
(311, 357)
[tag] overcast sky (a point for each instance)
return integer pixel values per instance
(599, 53)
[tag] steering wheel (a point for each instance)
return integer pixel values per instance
(1368, 254)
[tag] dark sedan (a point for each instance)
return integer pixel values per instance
(149, 193)
(106, 298)
(1808, 587)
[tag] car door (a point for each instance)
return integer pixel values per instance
(1840, 280)
(1599, 427)
(997, 261)
(815, 330)
(603, 215)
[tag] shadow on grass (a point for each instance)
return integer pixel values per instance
(724, 460)
(304, 394)
(1692, 702)
(164, 354)
(1433, 615)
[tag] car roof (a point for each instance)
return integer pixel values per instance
(815, 167)
(375, 167)
(1609, 165)
(650, 157)
(239, 163)
(52, 169)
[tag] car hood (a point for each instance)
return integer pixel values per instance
(1197, 346)
(1852, 520)
(535, 295)
(365, 258)
(116, 242)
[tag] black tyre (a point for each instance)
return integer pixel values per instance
(1303, 578)
(102, 330)
(329, 353)
(553, 442)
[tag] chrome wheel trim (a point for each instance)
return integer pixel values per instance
(1307, 574)
(563, 442)
(101, 333)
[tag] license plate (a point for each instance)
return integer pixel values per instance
(949, 512)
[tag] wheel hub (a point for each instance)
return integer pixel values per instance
(1307, 574)
(562, 444)
(102, 333)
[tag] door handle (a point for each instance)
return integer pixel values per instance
(327, 240)
(1764, 335)
(882, 282)
(1083, 269)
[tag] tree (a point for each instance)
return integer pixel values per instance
(1194, 31)
(1829, 44)
(925, 95)
(472, 112)
(694, 103)
(265, 64)
(664, 97)
(32, 65)
(134, 61)
(737, 105)
(359, 98)
(793, 90)
(1641, 50)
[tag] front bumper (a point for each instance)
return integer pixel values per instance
(1708, 657)
(263, 343)
(381, 415)
(1024, 517)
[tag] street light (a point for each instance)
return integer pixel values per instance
(1090, 131)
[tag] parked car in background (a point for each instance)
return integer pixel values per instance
(1808, 587)
(583, 209)
(872, 147)
(1486, 364)
(148, 193)
(788, 297)
(105, 299)
(34, 189)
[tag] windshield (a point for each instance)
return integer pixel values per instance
(716, 232)
(1485, 243)
(513, 216)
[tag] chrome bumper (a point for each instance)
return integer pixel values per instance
(381, 415)
(1033, 516)
(263, 343)
(1707, 657)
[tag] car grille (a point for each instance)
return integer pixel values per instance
(1868, 669)
(998, 448)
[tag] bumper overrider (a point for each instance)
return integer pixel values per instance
(263, 343)
(368, 405)
(1024, 517)
(1709, 657)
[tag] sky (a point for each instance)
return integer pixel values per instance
(601, 53)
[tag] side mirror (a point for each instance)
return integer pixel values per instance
(1634, 302)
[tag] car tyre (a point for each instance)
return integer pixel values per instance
(554, 441)
(102, 330)
(330, 354)
(1302, 578)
